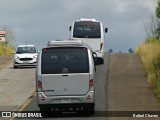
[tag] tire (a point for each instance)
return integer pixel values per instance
(44, 111)
(100, 61)
(15, 67)
(91, 110)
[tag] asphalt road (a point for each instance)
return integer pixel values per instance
(16, 85)
(121, 86)
(128, 89)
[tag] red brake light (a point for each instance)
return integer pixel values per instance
(44, 49)
(85, 49)
(101, 45)
(39, 84)
(91, 84)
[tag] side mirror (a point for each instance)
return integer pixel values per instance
(95, 58)
(13, 52)
(70, 27)
(106, 30)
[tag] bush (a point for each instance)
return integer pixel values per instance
(149, 51)
(156, 72)
(152, 40)
(5, 48)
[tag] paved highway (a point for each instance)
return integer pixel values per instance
(16, 85)
(128, 89)
(125, 88)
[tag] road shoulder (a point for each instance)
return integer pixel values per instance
(4, 60)
(128, 89)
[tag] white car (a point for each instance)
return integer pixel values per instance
(25, 55)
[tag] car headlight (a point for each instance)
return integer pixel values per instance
(16, 57)
(35, 57)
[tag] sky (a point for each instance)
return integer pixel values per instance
(39, 21)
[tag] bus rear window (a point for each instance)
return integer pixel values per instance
(85, 29)
(60, 60)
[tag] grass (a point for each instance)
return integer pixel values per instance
(5, 49)
(149, 51)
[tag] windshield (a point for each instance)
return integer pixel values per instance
(65, 60)
(27, 49)
(86, 29)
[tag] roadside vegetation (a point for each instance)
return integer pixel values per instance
(5, 49)
(149, 51)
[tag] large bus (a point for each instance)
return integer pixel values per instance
(91, 32)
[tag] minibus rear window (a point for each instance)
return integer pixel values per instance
(60, 60)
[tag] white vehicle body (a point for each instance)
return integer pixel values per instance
(65, 77)
(25, 55)
(91, 32)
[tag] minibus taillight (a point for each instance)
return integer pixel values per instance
(44, 49)
(91, 84)
(39, 84)
(85, 49)
(101, 45)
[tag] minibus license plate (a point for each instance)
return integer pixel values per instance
(65, 100)
(25, 62)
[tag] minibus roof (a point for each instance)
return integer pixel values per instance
(55, 43)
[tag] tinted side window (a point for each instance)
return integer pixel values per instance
(65, 60)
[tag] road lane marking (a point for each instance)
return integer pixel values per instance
(24, 103)
(3, 66)
(28, 101)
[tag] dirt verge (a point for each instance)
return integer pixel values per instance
(5, 59)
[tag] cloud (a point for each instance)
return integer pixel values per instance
(151, 4)
(38, 21)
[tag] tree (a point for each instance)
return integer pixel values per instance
(110, 51)
(158, 9)
(157, 12)
(152, 27)
(130, 50)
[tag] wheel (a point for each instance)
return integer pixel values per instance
(91, 110)
(100, 61)
(44, 111)
(15, 67)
